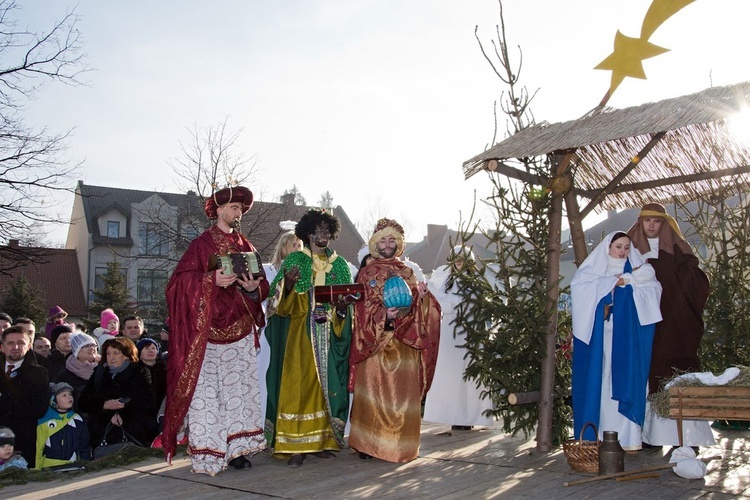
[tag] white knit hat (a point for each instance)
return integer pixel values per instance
(79, 340)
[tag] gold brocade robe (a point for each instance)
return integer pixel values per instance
(302, 423)
(391, 370)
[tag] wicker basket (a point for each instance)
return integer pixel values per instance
(583, 456)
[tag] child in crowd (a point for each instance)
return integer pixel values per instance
(56, 317)
(109, 327)
(8, 457)
(61, 436)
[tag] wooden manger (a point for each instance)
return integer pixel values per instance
(708, 403)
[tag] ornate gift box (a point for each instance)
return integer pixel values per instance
(238, 263)
(331, 293)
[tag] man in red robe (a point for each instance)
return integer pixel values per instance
(212, 365)
(392, 356)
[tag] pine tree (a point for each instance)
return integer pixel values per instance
(298, 198)
(725, 230)
(20, 298)
(113, 294)
(503, 308)
(326, 201)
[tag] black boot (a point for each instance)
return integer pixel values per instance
(240, 462)
(297, 460)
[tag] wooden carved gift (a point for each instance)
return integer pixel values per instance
(239, 263)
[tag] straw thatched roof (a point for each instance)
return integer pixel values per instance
(691, 140)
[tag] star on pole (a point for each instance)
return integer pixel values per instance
(627, 58)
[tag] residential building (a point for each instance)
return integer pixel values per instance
(52, 271)
(148, 231)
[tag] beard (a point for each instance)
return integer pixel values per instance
(320, 243)
(387, 253)
(235, 224)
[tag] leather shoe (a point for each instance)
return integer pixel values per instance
(240, 462)
(461, 427)
(296, 460)
(325, 454)
(364, 456)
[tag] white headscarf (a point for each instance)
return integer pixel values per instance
(591, 283)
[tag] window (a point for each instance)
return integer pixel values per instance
(152, 242)
(99, 273)
(151, 285)
(113, 229)
(191, 232)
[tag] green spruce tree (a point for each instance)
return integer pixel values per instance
(113, 294)
(725, 230)
(20, 298)
(503, 311)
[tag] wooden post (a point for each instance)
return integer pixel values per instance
(544, 427)
(577, 236)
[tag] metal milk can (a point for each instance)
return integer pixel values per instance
(611, 454)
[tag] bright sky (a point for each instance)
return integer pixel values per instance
(377, 101)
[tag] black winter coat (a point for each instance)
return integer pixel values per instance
(133, 382)
(24, 399)
(56, 364)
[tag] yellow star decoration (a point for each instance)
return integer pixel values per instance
(627, 59)
(658, 13)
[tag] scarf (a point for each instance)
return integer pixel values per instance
(114, 371)
(83, 369)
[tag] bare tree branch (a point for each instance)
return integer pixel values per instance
(32, 165)
(209, 160)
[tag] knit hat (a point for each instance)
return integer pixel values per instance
(106, 316)
(7, 436)
(54, 311)
(61, 387)
(59, 330)
(80, 340)
(145, 342)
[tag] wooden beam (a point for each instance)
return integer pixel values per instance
(522, 398)
(648, 468)
(547, 383)
(575, 222)
(494, 165)
(670, 181)
(655, 138)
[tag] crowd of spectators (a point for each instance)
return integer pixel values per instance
(64, 392)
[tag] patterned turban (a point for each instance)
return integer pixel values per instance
(236, 194)
(387, 227)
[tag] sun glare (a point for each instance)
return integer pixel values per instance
(739, 126)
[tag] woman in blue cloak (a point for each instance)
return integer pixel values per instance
(615, 298)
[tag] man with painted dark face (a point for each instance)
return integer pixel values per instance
(677, 339)
(212, 374)
(307, 398)
(393, 354)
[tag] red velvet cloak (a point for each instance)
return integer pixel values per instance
(200, 312)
